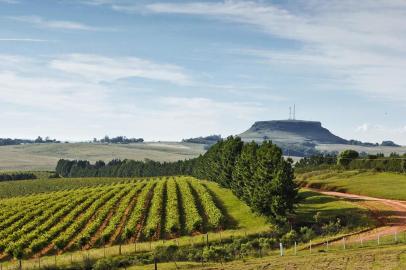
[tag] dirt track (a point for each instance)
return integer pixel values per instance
(390, 214)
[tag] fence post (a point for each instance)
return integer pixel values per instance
(344, 243)
(295, 248)
(281, 248)
(362, 242)
(327, 245)
(396, 237)
(310, 247)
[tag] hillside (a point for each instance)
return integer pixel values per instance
(305, 138)
(291, 132)
(100, 213)
(133, 210)
(45, 156)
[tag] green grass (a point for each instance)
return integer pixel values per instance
(375, 184)
(388, 255)
(330, 208)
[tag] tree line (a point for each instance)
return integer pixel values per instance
(17, 176)
(39, 139)
(352, 160)
(118, 140)
(257, 174)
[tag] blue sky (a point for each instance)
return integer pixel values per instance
(167, 70)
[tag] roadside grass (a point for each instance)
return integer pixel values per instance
(375, 184)
(387, 256)
(330, 208)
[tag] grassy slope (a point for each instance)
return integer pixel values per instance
(45, 156)
(330, 208)
(382, 185)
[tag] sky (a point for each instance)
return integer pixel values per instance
(167, 70)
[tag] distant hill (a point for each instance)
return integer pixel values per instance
(304, 138)
(291, 131)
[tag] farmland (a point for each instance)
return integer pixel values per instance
(109, 213)
(369, 183)
(45, 156)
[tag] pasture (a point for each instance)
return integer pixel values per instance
(368, 183)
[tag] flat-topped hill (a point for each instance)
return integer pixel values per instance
(291, 132)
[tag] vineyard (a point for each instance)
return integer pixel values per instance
(116, 213)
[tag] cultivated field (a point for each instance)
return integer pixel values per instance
(45, 156)
(126, 212)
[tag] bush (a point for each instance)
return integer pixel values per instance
(105, 264)
(332, 227)
(306, 234)
(289, 238)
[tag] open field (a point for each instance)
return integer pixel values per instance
(367, 149)
(45, 156)
(374, 184)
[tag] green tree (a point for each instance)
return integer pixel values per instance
(274, 191)
(242, 184)
(345, 157)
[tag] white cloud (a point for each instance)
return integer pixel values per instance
(97, 68)
(56, 24)
(362, 44)
(22, 40)
(56, 101)
(9, 1)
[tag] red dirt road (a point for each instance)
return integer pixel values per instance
(390, 214)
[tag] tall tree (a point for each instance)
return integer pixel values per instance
(243, 171)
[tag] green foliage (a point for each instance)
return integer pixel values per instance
(215, 218)
(155, 212)
(139, 211)
(172, 224)
(104, 264)
(258, 174)
(306, 234)
(16, 176)
(193, 220)
(346, 157)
